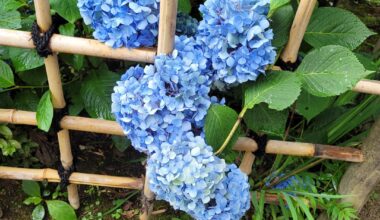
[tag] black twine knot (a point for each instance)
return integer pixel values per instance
(57, 118)
(42, 40)
(64, 175)
(261, 143)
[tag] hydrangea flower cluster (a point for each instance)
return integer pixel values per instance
(237, 39)
(156, 103)
(186, 25)
(187, 175)
(117, 23)
(162, 107)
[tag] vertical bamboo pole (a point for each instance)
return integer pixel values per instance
(247, 162)
(44, 21)
(166, 35)
(301, 20)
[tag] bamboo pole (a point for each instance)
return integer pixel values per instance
(247, 162)
(67, 162)
(314, 150)
(167, 25)
(44, 21)
(76, 178)
(368, 87)
(165, 45)
(75, 45)
(242, 144)
(300, 23)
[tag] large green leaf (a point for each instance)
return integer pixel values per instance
(67, 9)
(10, 19)
(282, 20)
(96, 93)
(278, 89)
(45, 112)
(330, 70)
(263, 119)
(6, 75)
(219, 121)
(31, 188)
(34, 77)
(276, 4)
(25, 59)
(26, 100)
(335, 26)
(310, 106)
(60, 210)
(11, 5)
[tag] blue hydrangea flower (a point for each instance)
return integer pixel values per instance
(236, 38)
(185, 173)
(118, 23)
(186, 25)
(157, 103)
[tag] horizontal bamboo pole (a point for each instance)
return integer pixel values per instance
(314, 150)
(76, 45)
(368, 87)
(243, 143)
(76, 178)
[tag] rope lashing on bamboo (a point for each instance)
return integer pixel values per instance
(261, 141)
(41, 40)
(64, 175)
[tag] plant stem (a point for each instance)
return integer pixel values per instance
(233, 130)
(22, 87)
(294, 172)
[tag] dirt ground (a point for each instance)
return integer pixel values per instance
(371, 210)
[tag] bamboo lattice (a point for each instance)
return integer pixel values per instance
(167, 23)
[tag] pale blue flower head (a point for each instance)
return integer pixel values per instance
(119, 23)
(157, 103)
(237, 39)
(187, 175)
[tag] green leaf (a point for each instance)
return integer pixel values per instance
(276, 4)
(67, 9)
(11, 5)
(45, 112)
(282, 20)
(5, 131)
(10, 19)
(25, 59)
(330, 71)
(279, 89)
(121, 142)
(38, 213)
(96, 93)
(263, 119)
(219, 121)
(310, 106)
(6, 75)
(60, 210)
(26, 100)
(335, 26)
(33, 200)
(67, 29)
(76, 103)
(31, 188)
(34, 77)
(184, 6)
(290, 204)
(304, 208)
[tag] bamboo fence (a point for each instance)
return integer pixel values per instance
(167, 23)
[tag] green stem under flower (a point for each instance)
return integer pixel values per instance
(233, 130)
